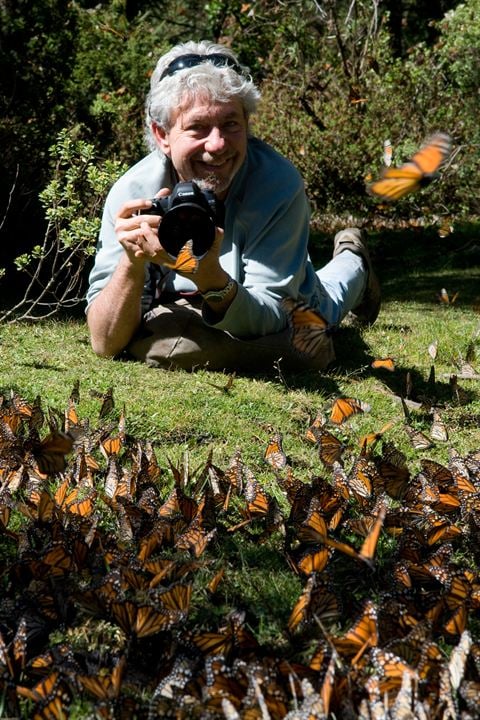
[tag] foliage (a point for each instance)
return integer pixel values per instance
(335, 80)
(330, 113)
(72, 200)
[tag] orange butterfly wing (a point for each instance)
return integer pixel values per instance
(186, 261)
(386, 363)
(307, 326)
(395, 182)
(274, 453)
(345, 407)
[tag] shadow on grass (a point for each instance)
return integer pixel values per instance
(415, 264)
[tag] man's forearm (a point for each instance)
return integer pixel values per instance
(115, 313)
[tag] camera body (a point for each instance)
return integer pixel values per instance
(188, 213)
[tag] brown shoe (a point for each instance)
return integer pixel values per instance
(353, 239)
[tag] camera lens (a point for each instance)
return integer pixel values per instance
(183, 223)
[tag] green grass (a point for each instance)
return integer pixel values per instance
(181, 411)
(186, 417)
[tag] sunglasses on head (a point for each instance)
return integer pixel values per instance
(188, 61)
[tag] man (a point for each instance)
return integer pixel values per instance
(226, 309)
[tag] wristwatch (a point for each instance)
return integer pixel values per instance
(216, 296)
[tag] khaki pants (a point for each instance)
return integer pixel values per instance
(175, 336)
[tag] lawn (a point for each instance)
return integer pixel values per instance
(189, 592)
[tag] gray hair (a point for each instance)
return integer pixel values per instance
(206, 80)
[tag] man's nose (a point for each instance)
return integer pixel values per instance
(215, 141)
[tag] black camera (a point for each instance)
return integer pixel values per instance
(188, 213)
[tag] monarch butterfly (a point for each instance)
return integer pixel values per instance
(49, 696)
(314, 529)
(315, 600)
(457, 622)
(108, 402)
(438, 431)
(274, 453)
(71, 416)
(307, 327)
(78, 502)
(418, 439)
(344, 407)
(317, 424)
(361, 478)
(50, 452)
(104, 685)
(58, 559)
(392, 669)
(233, 636)
(386, 363)
(258, 501)
(111, 445)
(470, 692)
(330, 448)
(374, 437)
(458, 659)
(313, 559)
(195, 539)
(186, 261)
(445, 299)
(212, 586)
(361, 636)
(143, 620)
(421, 169)
(368, 549)
(440, 529)
(226, 387)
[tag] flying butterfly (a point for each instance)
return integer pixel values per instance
(373, 437)
(344, 407)
(396, 182)
(308, 328)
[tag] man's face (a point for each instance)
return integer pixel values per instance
(207, 142)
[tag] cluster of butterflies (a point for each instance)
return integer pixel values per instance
(105, 548)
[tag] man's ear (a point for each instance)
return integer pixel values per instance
(161, 138)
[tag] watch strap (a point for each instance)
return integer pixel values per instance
(219, 295)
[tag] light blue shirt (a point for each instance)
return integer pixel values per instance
(265, 245)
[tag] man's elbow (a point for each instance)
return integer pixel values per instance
(101, 349)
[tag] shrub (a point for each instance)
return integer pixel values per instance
(72, 200)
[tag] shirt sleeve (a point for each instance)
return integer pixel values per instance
(142, 181)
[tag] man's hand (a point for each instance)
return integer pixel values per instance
(138, 234)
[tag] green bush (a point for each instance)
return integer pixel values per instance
(73, 201)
